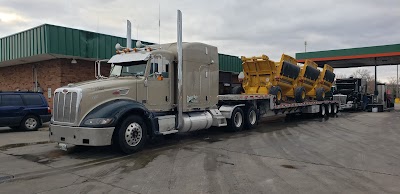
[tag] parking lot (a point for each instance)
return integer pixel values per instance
(352, 153)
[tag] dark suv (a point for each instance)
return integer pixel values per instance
(25, 110)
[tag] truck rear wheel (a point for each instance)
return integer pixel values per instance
(236, 122)
(320, 94)
(300, 94)
(250, 120)
(131, 135)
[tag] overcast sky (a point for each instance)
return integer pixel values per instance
(248, 28)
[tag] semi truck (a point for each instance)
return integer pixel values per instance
(351, 93)
(159, 90)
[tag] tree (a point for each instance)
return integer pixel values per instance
(341, 76)
(363, 73)
(392, 85)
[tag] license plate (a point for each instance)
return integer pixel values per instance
(63, 146)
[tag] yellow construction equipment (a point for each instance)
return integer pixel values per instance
(264, 76)
(308, 78)
(324, 82)
(285, 79)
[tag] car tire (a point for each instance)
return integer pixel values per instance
(30, 123)
(131, 135)
(236, 122)
(250, 120)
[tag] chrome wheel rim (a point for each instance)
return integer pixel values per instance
(133, 134)
(238, 119)
(335, 109)
(252, 117)
(323, 111)
(30, 123)
(329, 108)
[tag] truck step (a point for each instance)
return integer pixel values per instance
(169, 132)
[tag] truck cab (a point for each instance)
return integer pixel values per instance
(140, 97)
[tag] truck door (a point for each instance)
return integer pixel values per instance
(158, 97)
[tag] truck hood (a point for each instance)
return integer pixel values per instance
(105, 83)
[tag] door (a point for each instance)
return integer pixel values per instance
(158, 90)
(11, 109)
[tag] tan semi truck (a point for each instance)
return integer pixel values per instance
(158, 90)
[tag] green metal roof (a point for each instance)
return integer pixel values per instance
(355, 57)
(59, 41)
(230, 63)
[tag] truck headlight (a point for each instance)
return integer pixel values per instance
(98, 121)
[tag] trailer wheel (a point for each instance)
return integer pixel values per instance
(300, 94)
(131, 135)
(236, 122)
(237, 90)
(250, 120)
(328, 109)
(320, 94)
(277, 91)
(334, 109)
(322, 110)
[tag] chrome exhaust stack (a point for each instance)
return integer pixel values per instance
(128, 34)
(179, 50)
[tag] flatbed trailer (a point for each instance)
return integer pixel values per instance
(266, 106)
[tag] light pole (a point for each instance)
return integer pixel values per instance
(305, 46)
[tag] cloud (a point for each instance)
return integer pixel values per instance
(237, 27)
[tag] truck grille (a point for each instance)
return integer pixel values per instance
(65, 107)
(341, 98)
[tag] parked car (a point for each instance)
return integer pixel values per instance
(23, 110)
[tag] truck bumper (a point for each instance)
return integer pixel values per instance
(81, 135)
(346, 106)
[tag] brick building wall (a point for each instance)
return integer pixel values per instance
(50, 74)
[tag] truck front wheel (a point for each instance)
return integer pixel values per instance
(131, 135)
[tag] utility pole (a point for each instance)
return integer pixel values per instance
(305, 46)
(397, 85)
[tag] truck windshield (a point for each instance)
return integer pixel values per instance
(128, 69)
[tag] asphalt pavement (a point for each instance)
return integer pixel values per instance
(350, 153)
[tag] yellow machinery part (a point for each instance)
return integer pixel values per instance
(308, 79)
(325, 79)
(258, 73)
(261, 73)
